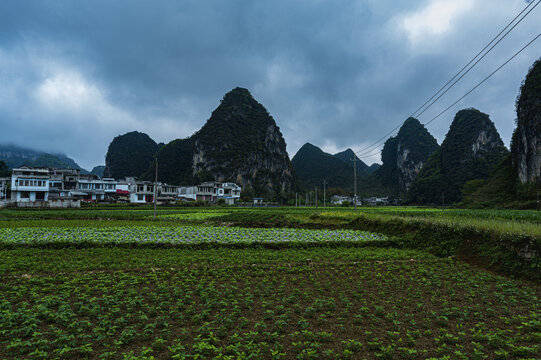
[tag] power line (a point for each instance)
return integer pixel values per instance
(369, 148)
(479, 84)
(378, 152)
(485, 79)
(481, 58)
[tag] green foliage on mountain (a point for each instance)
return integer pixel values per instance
(130, 154)
(373, 168)
(499, 190)
(312, 165)
(57, 162)
(175, 163)
(347, 155)
(240, 142)
(98, 170)
(16, 156)
(471, 150)
(404, 155)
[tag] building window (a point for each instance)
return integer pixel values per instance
(140, 197)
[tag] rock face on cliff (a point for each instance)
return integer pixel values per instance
(526, 143)
(130, 154)
(404, 155)
(471, 150)
(240, 142)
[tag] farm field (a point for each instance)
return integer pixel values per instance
(282, 283)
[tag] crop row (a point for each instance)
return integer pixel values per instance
(177, 235)
(371, 309)
(142, 212)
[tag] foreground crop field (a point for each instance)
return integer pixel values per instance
(260, 304)
(285, 283)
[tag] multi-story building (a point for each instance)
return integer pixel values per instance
(213, 191)
(69, 186)
(229, 191)
(206, 191)
(63, 183)
(29, 185)
(4, 188)
(167, 193)
(96, 189)
(122, 192)
(187, 193)
(141, 192)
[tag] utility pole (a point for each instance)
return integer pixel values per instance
(443, 200)
(316, 196)
(324, 203)
(355, 180)
(538, 205)
(296, 200)
(306, 202)
(155, 187)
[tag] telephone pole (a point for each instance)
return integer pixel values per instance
(355, 180)
(443, 200)
(324, 203)
(296, 200)
(316, 197)
(155, 187)
(538, 204)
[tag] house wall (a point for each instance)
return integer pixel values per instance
(65, 203)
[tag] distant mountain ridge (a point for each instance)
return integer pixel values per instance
(16, 156)
(98, 170)
(347, 157)
(312, 165)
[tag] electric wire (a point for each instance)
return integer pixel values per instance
(485, 79)
(478, 84)
(370, 148)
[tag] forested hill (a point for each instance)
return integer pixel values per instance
(312, 165)
(347, 157)
(15, 156)
(404, 155)
(130, 154)
(471, 150)
(240, 142)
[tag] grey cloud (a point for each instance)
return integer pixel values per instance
(330, 73)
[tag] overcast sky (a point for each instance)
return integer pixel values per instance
(337, 74)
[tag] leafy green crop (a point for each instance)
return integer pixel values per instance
(261, 304)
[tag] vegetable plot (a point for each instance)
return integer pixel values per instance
(37, 236)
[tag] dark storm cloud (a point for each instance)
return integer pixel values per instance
(73, 74)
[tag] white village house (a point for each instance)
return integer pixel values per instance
(67, 187)
(29, 185)
(213, 191)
